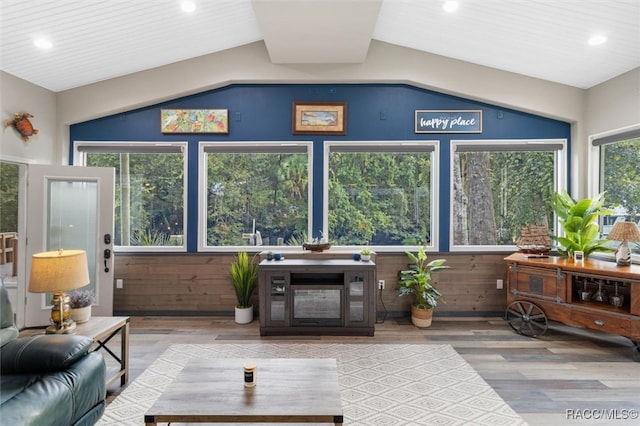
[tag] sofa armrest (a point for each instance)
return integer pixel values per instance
(43, 353)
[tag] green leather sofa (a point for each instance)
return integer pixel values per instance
(48, 379)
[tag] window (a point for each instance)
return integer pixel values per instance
(616, 157)
(150, 191)
(381, 193)
(254, 193)
(499, 186)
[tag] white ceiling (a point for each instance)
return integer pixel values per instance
(95, 40)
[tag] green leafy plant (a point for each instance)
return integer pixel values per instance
(81, 298)
(579, 220)
(417, 279)
(365, 251)
(244, 273)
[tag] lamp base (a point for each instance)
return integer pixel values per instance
(68, 326)
(623, 255)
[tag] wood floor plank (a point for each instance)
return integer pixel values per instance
(566, 369)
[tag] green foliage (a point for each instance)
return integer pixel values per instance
(244, 273)
(8, 197)
(579, 222)
(417, 279)
(621, 179)
(147, 237)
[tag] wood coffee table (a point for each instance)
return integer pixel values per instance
(286, 391)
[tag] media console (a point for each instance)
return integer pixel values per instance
(317, 296)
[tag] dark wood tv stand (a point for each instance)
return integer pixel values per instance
(317, 296)
(566, 291)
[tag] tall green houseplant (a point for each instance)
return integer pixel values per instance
(579, 220)
(417, 281)
(244, 273)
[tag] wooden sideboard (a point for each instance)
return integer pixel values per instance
(596, 294)
(317, 296)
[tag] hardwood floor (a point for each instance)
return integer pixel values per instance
(567, 376)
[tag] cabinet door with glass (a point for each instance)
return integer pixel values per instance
(277, 304)
(358, 298)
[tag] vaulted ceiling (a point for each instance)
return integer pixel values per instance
(98, 40)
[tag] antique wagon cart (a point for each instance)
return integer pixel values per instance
(596, 294)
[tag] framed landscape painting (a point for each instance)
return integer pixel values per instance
(194, 120)
(319, 118)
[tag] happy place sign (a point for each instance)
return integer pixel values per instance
(449, 121)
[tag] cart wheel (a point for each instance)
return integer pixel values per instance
(526, 319)
(635, 351)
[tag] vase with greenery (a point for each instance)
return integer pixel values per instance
(80, 302)
(417, 281)
(579, 220)
(244, 274)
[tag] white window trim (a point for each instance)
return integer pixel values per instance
(202, 189)
(593, 169)
(80, 159)
(560, 182)
(434, 193)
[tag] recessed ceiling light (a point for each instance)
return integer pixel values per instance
(188, 6)
(597, 39)
(450, 6)
(43, 43)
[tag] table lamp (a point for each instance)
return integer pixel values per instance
(56, 272)
(625, 232)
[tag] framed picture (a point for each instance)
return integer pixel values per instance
(194, 121)
(319, 118)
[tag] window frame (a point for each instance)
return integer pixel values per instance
(595, 166)
(248, 147)
(80, 159)
(560, 179)
(368, 146)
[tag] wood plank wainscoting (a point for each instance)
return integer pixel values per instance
(199, 284)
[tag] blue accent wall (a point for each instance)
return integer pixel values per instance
(262, 112)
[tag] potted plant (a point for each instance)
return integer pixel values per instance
(244, 273)
(417, 281)
(579, 220)
(365, 255)
(80, 302)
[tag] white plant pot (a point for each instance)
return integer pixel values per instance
(244, 315)
(81, 315)
(365, 257)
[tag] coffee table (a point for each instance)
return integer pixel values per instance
(287, 391)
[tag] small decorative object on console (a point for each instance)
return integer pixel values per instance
(317, 245)
(534, 241)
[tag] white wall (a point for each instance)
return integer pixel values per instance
(17, 95)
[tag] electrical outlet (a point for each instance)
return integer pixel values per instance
(381, 284)
(119, 283)
(499, 284)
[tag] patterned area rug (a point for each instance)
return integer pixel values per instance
(381, 384)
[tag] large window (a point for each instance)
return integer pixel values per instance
(497, 187)
(254, 193)
(381, 193)
(150, 191)
(617, 160)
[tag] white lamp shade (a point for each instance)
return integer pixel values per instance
(59, 270)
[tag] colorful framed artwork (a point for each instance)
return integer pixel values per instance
(319, 118)
(194, 121)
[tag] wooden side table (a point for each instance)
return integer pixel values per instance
(102, 330)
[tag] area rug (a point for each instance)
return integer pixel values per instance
(381, 384)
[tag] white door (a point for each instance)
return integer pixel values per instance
(71, 207)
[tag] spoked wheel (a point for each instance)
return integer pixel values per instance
(526, 319)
